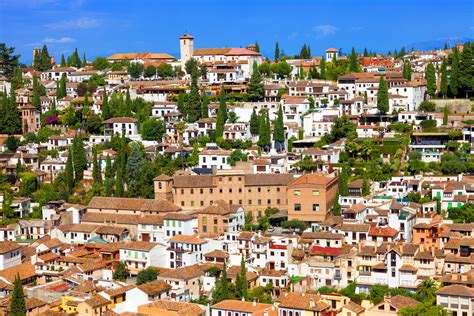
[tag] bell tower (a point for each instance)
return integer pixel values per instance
(164, 188)
(186, 46)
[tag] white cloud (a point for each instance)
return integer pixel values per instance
(325, 29)
(81, 23)
(62, 40)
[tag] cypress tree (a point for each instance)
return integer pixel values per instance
(45, 59)
(17, 303)
(445, 115)
(443, 87)
(53, 107)
(279, 131)
(105, 106)
(204, 106)
(78, 157)
(36, 100)
(84, 60)
(96, 173)
(454, 76)
(108, 182)
(353, 66)
(430, 76)
(62, 92)
(382, 96)
(242, 285)
(366, 53)
(193, 106)
(181, 103)
(120, 170)
(343, 180)
(257, 47)
(336, 208)
(128, 105)
(322, 66)
(254, 123)
(221, 114)
(69, 172)
(63, 61)
(264, 130)
(12, 117)
(255, 91)
(466, 66)
(3, 110)
(277, 52)
(135, 169)
(75, 60)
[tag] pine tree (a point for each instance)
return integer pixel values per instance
(322, 66)
(221, 114)
(12, 117)
(279, 131)
(204, 106)
(353, 66)
(254, 123)
(255, 90)
(277, 52)
(105, 106)
(78, 158)
(443, 87)
(445, 115)
(382, 96)
(108, 182)
(17, 303)
(430, 76)
(69, 172)
(96, 172)
(128, 105)
(454, 76)
(63, 61)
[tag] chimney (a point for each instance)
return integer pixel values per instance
(464, 277)
(265, 312)
(254, 302)
(433, 251)
(453, 277)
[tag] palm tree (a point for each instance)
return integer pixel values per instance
(426, 289)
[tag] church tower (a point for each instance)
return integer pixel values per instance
(186, 46)
(164, 188)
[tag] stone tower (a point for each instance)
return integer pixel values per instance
(186, 46)
(36, 51)
(164, 188)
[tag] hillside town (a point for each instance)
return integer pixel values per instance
(222, 182)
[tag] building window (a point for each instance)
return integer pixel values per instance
(315, 192)
(315, 207)
(297, 192)
(297, 207)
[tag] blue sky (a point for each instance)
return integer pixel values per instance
(103, 27)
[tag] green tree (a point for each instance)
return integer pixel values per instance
(69, 172)
(204, 106)
(12, 119)
(294, 224)
(120, 169)
(150, 71)
(75, 60)
(426, 289)
(63, 61)
(427, 106)
(165, 71)
(221, 114)
(147, 275)
(322, 67)
(336, 208)
(407, 70)
(193, 104)
(135, 70)
(17, 303)
(8, 61)
(78, 157)
(454, 78)
(445, 115)
(36, 100)
(255, 91)
(343, 180)
(135, 165)
(108, 181)
(466, 66)
(62, 91)
(11, 143)
(241, 281)
(277, 53)
(264, 140)
(100, 63)
(152, 129)
(128, 105)
(254, 123)
(222, 290)
(353, 65)
(257, 47)
(451, 164)
(365, 187)
(96, 172)
(105, 106)
(430, 76)
(382, 96)
(463, 214)
(42, 60)
(181, 103)
(279, 131)
(121, 272)
(444, 80)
